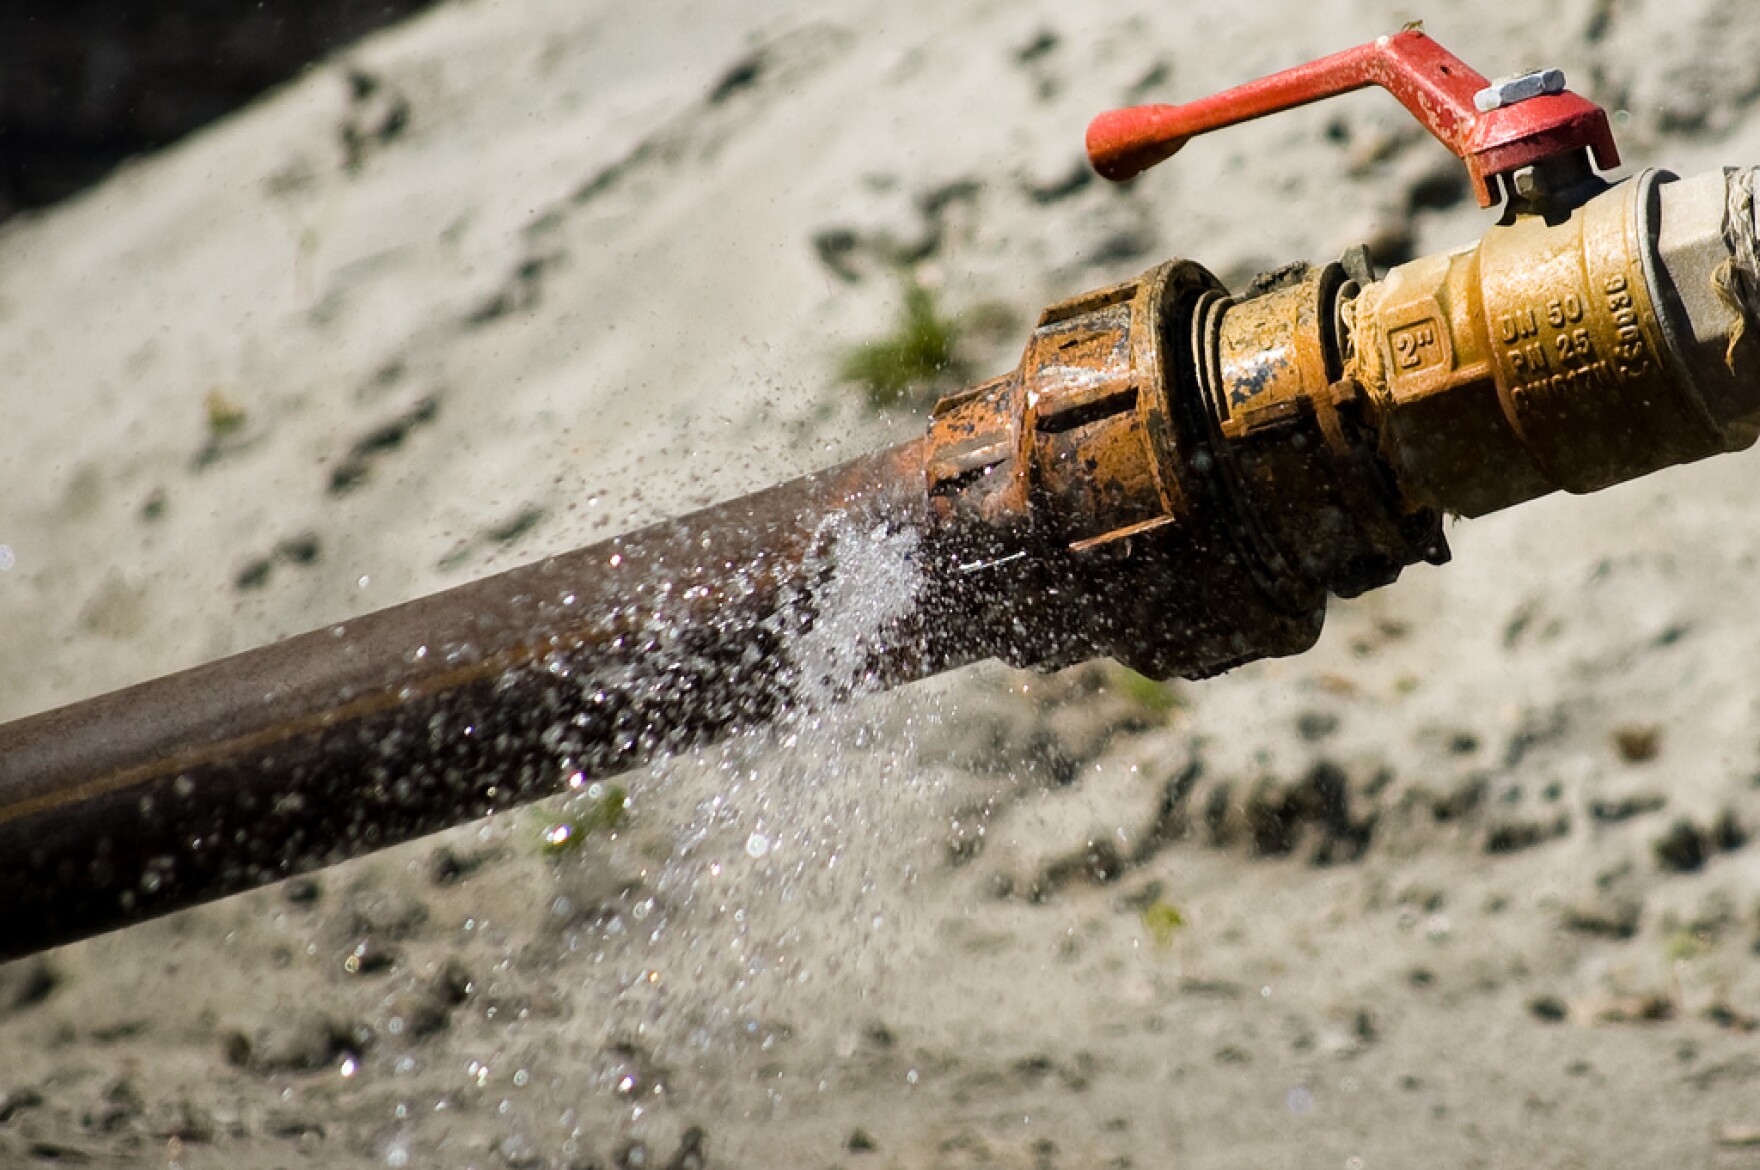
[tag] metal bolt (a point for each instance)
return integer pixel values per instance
(1530, 184)
(1507, 91)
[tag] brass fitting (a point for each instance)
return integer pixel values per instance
(1178, 478)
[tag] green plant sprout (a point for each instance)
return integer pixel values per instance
(603, 814)
(911, 362)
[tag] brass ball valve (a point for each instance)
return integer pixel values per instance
(1194, 472)
(1174, 476)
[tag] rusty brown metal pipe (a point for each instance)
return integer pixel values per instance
(1173, 476)
(402, 722)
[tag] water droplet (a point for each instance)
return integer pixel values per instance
(349, 1067)
(757, 845)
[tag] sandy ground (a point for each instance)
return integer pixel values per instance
(1468, 885)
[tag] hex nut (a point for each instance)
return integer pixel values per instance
(1693, 255)
(1508, 91)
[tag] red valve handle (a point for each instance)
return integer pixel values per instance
(1435, 85)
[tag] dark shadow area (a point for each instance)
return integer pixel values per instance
(86, 84)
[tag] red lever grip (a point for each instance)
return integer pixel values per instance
(1435, 85)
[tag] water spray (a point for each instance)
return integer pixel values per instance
(1175, 476)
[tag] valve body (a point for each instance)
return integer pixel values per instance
(1569, 355)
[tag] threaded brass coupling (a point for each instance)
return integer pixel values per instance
(1178, 477)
